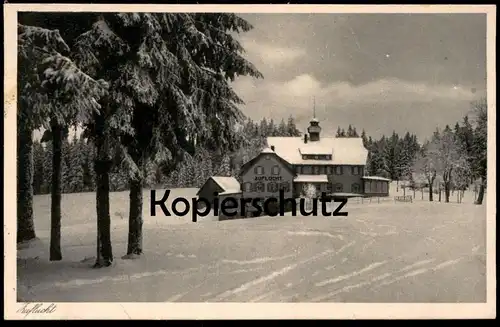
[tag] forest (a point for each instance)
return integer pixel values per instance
(151, 93)
(144, 87)
(400, 158)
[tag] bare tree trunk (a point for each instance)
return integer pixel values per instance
(25, 224)
(439, 193)
(55, 210)
(430, 192)
(480, 195)
(102, 169)
(447, 191)
(135, 222)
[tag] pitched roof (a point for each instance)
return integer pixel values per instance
(344, 150)
(228, 184)
(247, 165)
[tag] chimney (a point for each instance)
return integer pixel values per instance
(272, 147)
(305, 138)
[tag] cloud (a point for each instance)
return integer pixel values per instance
(271, 54)
(446, 48)
(379, 106)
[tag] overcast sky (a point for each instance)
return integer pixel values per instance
(380, 72)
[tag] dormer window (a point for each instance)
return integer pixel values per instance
(317, 157)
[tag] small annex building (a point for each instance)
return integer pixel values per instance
(219, 186)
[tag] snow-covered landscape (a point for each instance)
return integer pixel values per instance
(122, 114)
(382, 252)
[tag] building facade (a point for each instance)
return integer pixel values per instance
(335, 166)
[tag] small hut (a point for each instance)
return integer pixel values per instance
(219, 186)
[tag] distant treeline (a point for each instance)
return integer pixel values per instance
(396, 157)
(78, 155)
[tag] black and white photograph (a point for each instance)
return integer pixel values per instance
(341, 155)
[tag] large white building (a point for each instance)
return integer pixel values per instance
(335, 165)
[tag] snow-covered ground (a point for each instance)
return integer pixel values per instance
(381, 252)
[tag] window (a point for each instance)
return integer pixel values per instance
(355, 188)
(260, 187)
(285, 186)
(329, 187)
(307, 170)
(259, 170)
(339, 187)
(338, 170)
(384, 187)
(247, 187)
(329, 170)
(368, 186)
(316, 170)
(298, 170)
(322, 170)
(355, 170)
(272, 187)
(275, 170)
(267, 157)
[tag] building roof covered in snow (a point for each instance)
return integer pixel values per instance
(228, 184)
(343, 150)
(266, 152)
